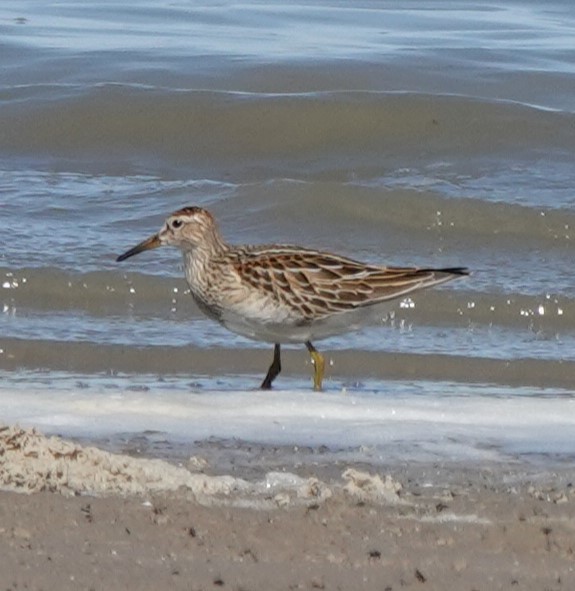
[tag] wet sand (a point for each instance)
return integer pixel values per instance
(252, 362)
(96, 520)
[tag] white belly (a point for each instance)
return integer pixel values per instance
(288, 331)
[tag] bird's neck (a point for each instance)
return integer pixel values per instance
(198, 260)
(210, 247)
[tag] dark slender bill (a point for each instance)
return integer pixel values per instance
(152, 242)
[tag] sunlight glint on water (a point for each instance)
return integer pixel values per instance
(434, 134)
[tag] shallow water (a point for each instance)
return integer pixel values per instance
(430, 134)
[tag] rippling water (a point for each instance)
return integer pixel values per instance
(427, 133)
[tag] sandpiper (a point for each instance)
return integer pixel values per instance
(283, 294)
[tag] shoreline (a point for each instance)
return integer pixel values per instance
(109, 521)
(246, 364)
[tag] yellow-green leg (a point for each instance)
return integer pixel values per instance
(318, 366)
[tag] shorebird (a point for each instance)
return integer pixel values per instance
(283, 294)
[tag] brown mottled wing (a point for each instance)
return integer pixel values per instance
(319, 284)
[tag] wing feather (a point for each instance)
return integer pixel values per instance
(320, 284)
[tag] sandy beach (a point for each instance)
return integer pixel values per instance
(77, 517)
(441, 454)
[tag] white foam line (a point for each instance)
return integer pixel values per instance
(294, 404)
(448, 424)
(453, 518)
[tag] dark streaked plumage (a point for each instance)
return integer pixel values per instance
(279, 293)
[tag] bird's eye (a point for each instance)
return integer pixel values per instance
(177, 224)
